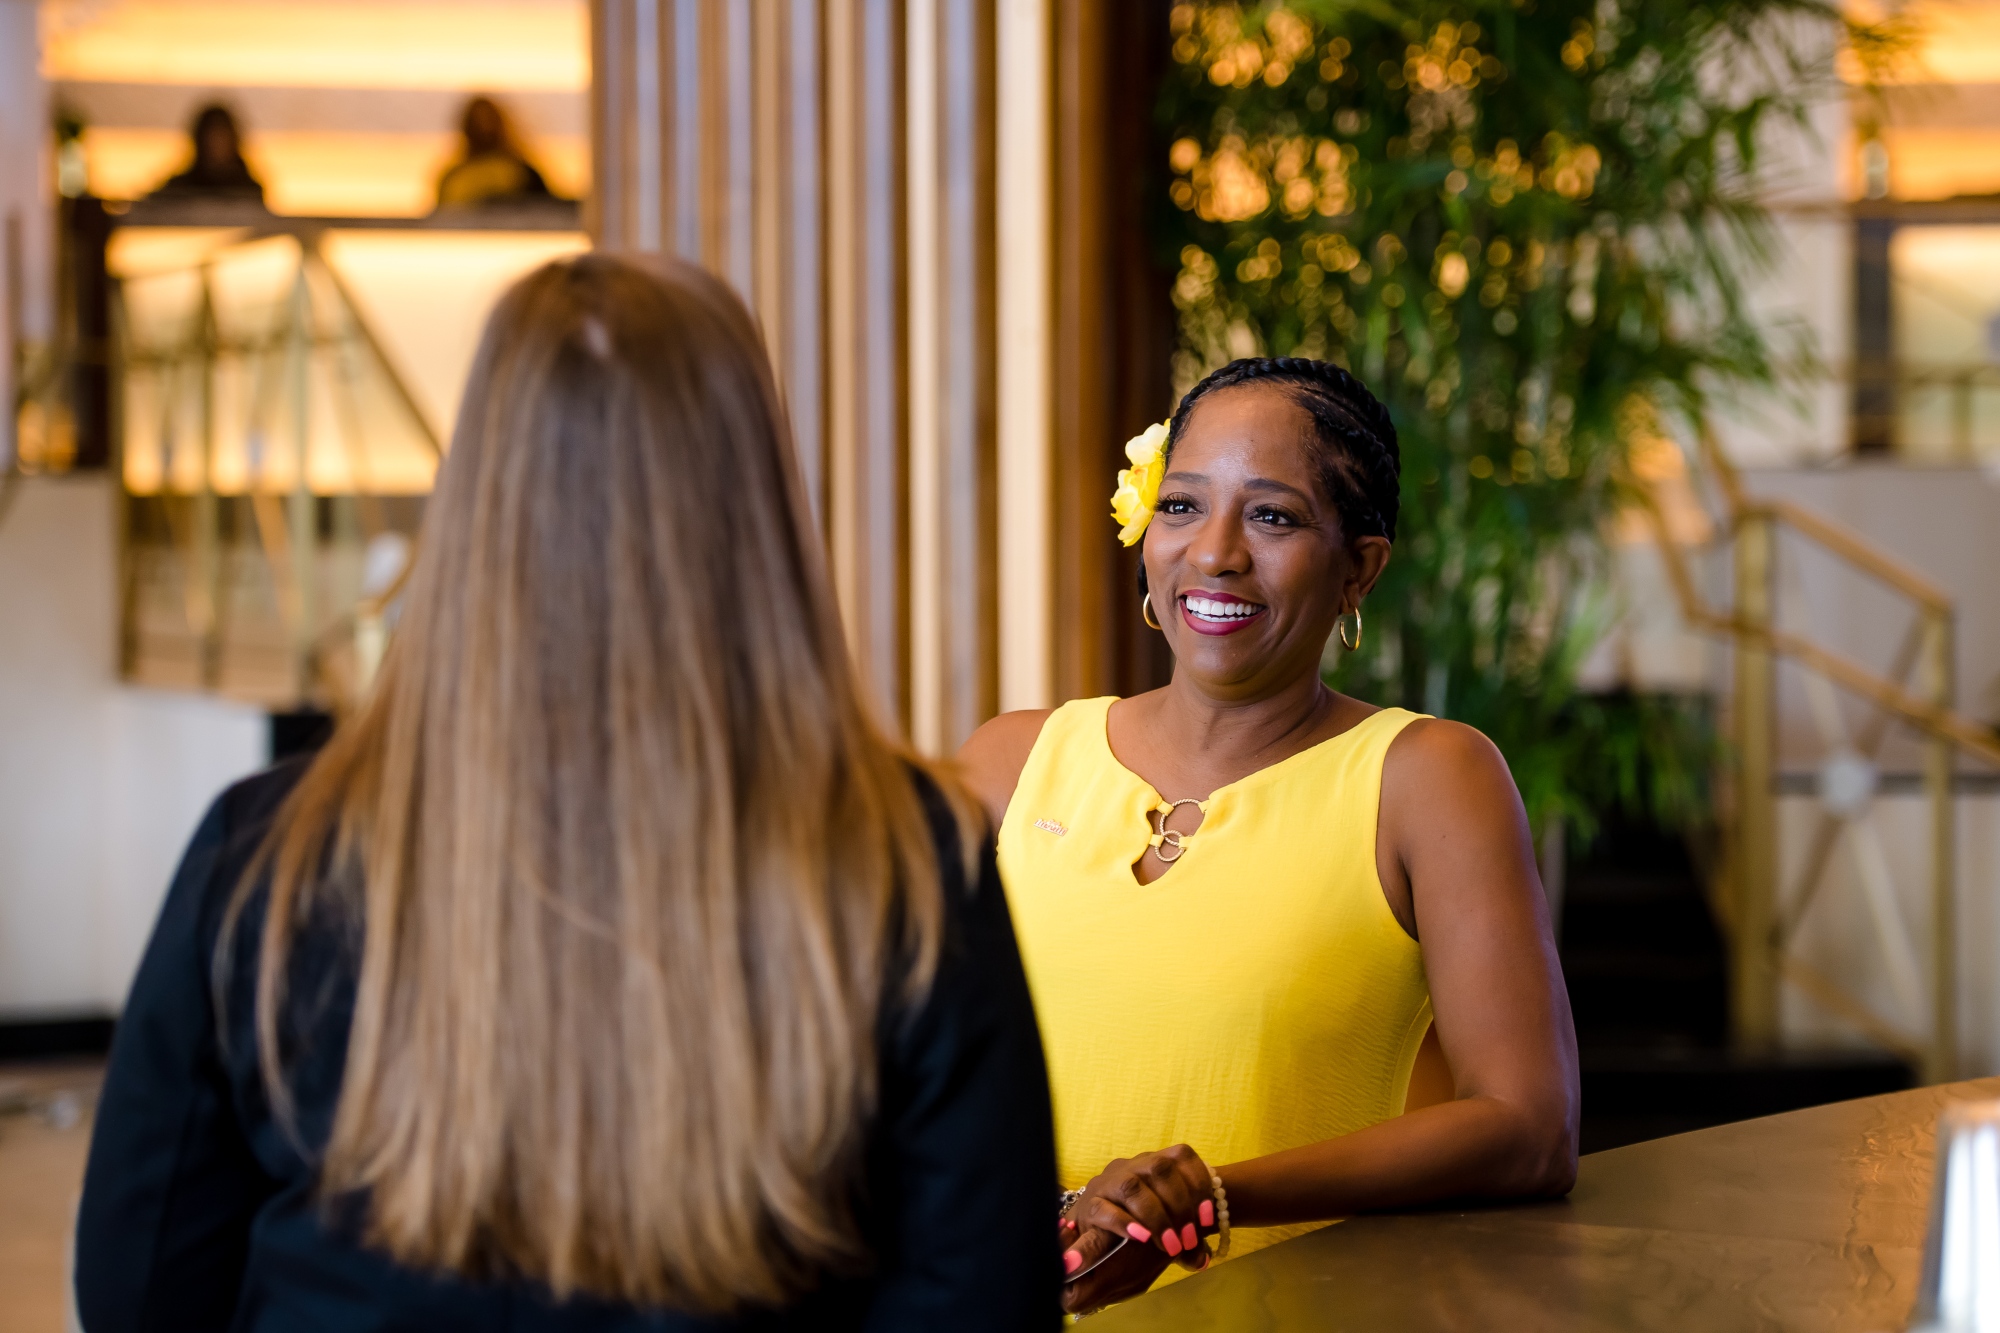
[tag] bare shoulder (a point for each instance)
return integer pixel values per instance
(1445, 764)
(1430, 744)
(991, 760)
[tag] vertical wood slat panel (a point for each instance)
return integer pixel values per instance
(788, 162)
(866, 408)
(968, 549)
(714, 76)
(954, 664)
(802, 357)
(842, 142)
(784, 231)
(880, 617)
(1112, 331)
(717, 210)
(1142, 326)
(1023, 304)
(629, 151)
(650, 151)
(928, 575)
(609, 123)
(682, 111)
(731, 172)
(733, 251)
(1079, 489)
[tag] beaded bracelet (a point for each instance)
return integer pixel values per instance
(1221, 1216)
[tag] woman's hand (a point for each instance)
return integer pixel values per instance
(1126, 1274)
(1163, 1199)
(1162, 1202)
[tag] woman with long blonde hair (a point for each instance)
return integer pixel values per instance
(609, 968)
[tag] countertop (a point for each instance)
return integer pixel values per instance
(1810, 1220)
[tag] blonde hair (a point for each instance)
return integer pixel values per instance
(633, 866)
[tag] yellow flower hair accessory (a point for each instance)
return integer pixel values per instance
(1139, 485)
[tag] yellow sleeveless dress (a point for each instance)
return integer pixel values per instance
(1258, 996)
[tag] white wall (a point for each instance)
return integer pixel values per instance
(1943, 523)
(1843, 935)
(1805, 300)
(100, 784)
(1806, 304)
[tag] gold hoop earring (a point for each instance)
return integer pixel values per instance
(1340, 627)
(1146, 613)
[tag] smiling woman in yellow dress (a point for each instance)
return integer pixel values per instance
(1290, 952)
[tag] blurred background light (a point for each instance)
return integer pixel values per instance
(527, 45)
(1936, 109)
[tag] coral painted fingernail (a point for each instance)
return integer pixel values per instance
(1170, 1242)
(1071, 1261)
(1138, 1233)
(1188, 1237)
(1206, 1212)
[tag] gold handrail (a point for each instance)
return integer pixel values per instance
(1854, 549)
(1758, 934)
(1828, 994)
(1940, 722)
(1851, 546)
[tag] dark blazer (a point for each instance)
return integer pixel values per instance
(199, 1212)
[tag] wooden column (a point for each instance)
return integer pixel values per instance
(867, 416)
(788, 231)
(1024, 148)
(952, 366)
(1113, 333)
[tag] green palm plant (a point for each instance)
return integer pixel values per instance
(1527, 226)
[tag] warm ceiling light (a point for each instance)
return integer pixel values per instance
(524, 45)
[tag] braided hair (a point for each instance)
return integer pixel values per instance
(1354, 442)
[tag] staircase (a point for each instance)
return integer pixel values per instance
(1659, 968)
(1648, 975)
